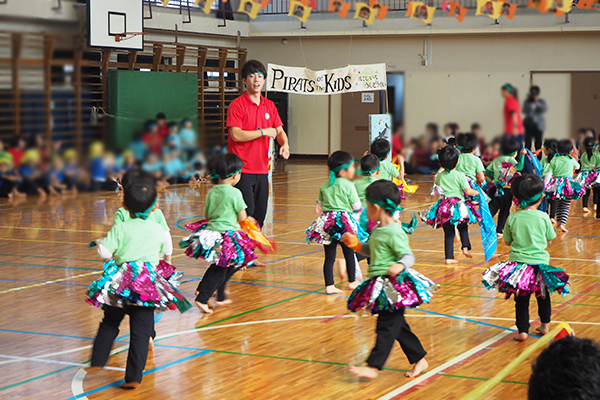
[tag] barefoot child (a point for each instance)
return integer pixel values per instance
(219, 238)
(338, 198)
(9, 180)
(560, 185)
(390, 277)
(130, 283)
(528, 233)
(452, 209)
(589, 172)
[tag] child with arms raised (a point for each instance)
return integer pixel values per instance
(452, 209)
(528, 233)
(338, 198)
(390, 277)
(130, 283)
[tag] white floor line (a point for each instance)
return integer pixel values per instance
(42, 360)
(445, 365)
(77, 383)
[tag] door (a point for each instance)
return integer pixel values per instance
(585, 102)
(356, 108)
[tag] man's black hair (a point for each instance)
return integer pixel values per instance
(139, 196)
(526, 186)
(432, 127)
(172, 124)
(381, 148)
(382, 190)
(565, 146)
(474, 126)
(509, 146)
(222, 166)
(253, 66)
(449, 157)
(568, 369)
(369, 162)
(337, 159)
(535, 90)
(161, 116)
(552, 145)
(467, 141)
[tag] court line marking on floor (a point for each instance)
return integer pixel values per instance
(49, 282)
(439, 369)
(42, 360)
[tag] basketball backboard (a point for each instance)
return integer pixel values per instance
(109, 19)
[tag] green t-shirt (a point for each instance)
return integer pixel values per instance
(561, 166)
(387, 171)
(544, 162)
(223, 203)
(361, 188)
(528, 232)
(135, 240)
(470, 165)
(338, 197)
(387, 245)
(495, 166)
(157, 216)
(453, 183)
(595, 160)
(585, 161)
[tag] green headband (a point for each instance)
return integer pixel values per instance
(255, 72)
(217, 176)
(532, 200)
(388, 205)
(370, 173)
(510, 89)
(338, 169)
(386, 156)
(565, 155)
(144, 215)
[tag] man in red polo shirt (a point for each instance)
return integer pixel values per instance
(253, 121)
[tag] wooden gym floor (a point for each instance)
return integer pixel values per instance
(282, 337)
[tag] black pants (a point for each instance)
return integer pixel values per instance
(586, 197)
(221, 296)
(502, 204)
(552, 206)
(31, 186)
(522, 310)
(330, 254)
(6, 187)
(255, 189)
(562, 211)
(532, 133)
(391, 327)
(141, 326)
(449, 233)
(597, 200)
(107, 185)
(214, 278)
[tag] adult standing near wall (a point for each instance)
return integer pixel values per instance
(535, 123)
(253, 121)
(513, 125)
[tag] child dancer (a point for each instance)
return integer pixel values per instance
(560, 185)
(392, 284)
(130, 283)
(9, 180)
(500, 173)
(382, 149)
(468, 163)
(224, 209)
(589, 173)
(452, 209)
(550, 146)
(528, 232)
(337, 200)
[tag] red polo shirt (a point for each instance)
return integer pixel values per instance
(245, 114)
(511, 106)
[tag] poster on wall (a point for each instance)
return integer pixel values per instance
(353, 78)
(380, 127)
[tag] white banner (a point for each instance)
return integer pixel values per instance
(353, 78)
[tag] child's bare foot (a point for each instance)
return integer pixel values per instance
(353, 285)
(342, 270)
(42, 194)
(499, 235)
(467, 253)
(451, 261)
(259, 264)
(521, 337)
(204, 307)
(586, 210)
(129, 385)
(332, 290)
(224, 302)
(196, 293)
(151, 345)
(364, 372)
(563, 228)
(543, 329)
(552, 220)
(93, 370)
(419, 367)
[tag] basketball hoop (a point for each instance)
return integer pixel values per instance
(127, 35)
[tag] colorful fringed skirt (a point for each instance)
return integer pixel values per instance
(229, 248)
(332, 225)
(450, 209)
(388, 293)
(588, 178)
(564, 188)
(512, 277)
(135, 283)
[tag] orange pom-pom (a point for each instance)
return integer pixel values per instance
(351, 241)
